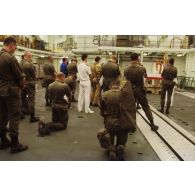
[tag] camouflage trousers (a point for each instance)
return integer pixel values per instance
(108, 139)
(10, 110)
(59, 118)
(30, 92)
(95, 93)
(140, 96)
(169, 89)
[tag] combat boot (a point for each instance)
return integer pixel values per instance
(153, 126)
(138, 107)
(16, 146)
(22, 116)
(5, 142)
(33, 119)
(120, 151)
(167, 110)
(112, 153)
(161, 109)
(43, 130)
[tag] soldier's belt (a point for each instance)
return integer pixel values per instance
(61, 102)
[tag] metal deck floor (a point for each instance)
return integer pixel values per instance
(182, 112)
(77, 143)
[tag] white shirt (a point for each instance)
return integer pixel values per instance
(84, 72)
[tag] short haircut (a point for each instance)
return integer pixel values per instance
(60, 75)
(9, 40)
(64, 59)
(73, 59)
(97, 59)
(113, 57)
(134, 56)
(26, 53)
(49, 58)
(84, 56)
(171, 61)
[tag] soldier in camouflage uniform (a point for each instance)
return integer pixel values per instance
(110, 72)
(95, 85)
(135, 74)
(58, 91)
(70, 81)
(119, 112)
(72, 71)
(11, 82)
(24, 108)
(49, 71)
(30, 84)
(168, 75)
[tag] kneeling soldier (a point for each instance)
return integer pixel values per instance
(119, 112)
(60, 96)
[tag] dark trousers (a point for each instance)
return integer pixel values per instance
(169, 89)
(24, 108)
(30, 90)
(59, 118)
(95, 93)
(47, 98)
(10, 110)
(140, 96)
(121, 137)
(74, 87)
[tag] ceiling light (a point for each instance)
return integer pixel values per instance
(179, 54)
(145, 53)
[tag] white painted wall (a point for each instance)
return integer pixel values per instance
(151, 41)
(190, 65)
(180, 63)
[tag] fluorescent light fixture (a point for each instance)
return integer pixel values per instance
(145, 53)
(179, 54)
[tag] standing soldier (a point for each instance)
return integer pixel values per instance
(72, 71)
(30, 85)
(119, 112)
(110, 72)
(11, 82)
(49, 71)
(96, 75)
(24, 107)
(168, 75)
(70, 81)
(58, 91)
(135, 74)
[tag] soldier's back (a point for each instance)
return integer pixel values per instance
(72, 68)
(169, 72)
(112, 96)
(48, 69)
(8, 62)
(29, 70)
(135, 73)
(57, 90)
(111, 102)
(70, 82)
